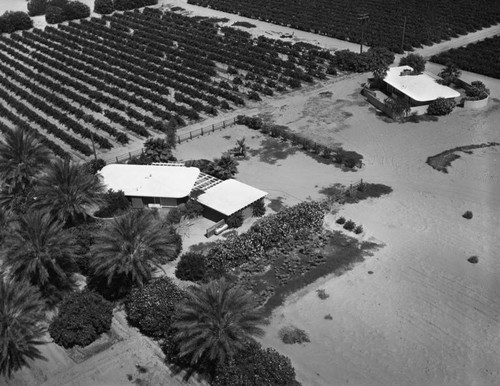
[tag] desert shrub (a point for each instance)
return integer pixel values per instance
(191, 267)
(349, 159)
(83, 316)
(329, 317)
(103, 7)
(415, 61)
(115, 204)
(95, 165)
(36, 7)
(340, 220)
(441, 106)
(467, 215)
(349, 225)
(358, 230)
(235, 220)
(174, 216)
(151, 307)
(473, 260)
(322, 294)
(14, 21)
(258, 208)
(256, 366)
(292, 335)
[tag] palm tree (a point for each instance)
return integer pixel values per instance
(40, 251)
(67, 189)
(215, 322)
(130, 247)
(21, 311)
(224, 168)
(22, 157)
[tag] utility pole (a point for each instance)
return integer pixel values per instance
(363, 18)
(403, 39)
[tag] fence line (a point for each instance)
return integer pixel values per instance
(180, 138)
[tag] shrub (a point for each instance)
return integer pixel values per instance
(258, 208)
(36, 7)
(349, 225)
(473, 260)
(103, 7)
(191, 267)
(415, 61)
(322, 294)
(441, 106)
(115, 203)
(340, 220)
(151, 307)
(14, 21)
(254, 96)
(256, 366)
(358, 230)
(193, 209)
(349, 159)
(83, 316)
(235, 220)
(329, 317)
(292, 335)
(477, 91)
(467, 215)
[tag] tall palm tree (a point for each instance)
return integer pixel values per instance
(215, 322)
(21, 158)
(67, 189)
(21, 311)
(224, 167)
(40, 251)
(130, 247)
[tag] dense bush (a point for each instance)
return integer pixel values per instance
(191, 267)
(358, 230)
(256, 366)
(467, 215)
(477, 91)
(258, 208)
(14, 21)
(174, 216)
(415, 61)
(95, 165)
(151, 307)
(83, 316)
(76, 10)
(340, 220)
(115, 204)
(54, 15)
(37, 7)
(235, 220)
(441, 106)
(292, 335)
(103, 7)
(347, 158)
(349, 225)
(266, 233)
(84, 236)
(192, 209)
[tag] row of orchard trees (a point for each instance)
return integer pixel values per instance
(47, 238)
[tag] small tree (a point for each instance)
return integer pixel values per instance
(441, 106)
(14, 21)
(415, 61)
(54, 15)
(258, 208)
(235, 220)
(400, 107)
(103, 7)
(83, 316)
(75, 10)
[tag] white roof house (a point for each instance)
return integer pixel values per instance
(230, 196)
(150, 180)
(421, 88)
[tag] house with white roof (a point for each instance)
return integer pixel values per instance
(170, 184)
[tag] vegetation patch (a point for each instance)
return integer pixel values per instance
(353, 194)
(473, 260)
(443, 160)
(467, 215)
(244, 24)
(293, 335)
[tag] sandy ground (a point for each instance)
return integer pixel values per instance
(426, 316)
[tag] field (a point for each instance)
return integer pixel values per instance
(127, 75)
(427, 22)
(475, 57)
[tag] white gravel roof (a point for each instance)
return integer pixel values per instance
(150, 180)
(421, 88)
(230, 196)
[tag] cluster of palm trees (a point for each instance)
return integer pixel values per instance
(42, 200)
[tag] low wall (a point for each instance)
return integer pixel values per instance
(476, 105)
(377, 102)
